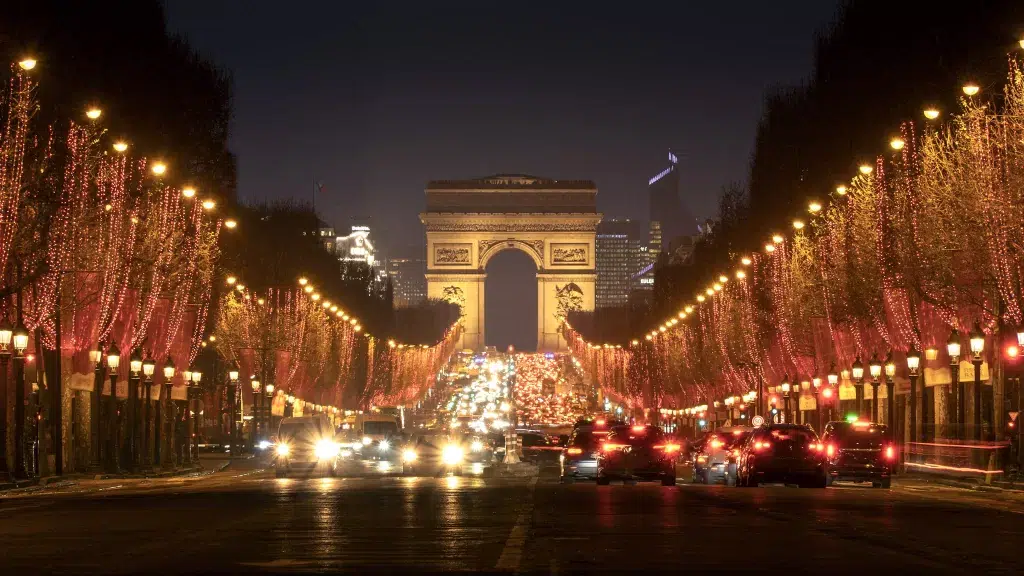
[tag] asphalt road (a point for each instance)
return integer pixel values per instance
(243, 520)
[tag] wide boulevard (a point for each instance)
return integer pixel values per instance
(241, 518)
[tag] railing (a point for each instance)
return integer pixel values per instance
(948, 454)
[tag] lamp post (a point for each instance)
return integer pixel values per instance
(857, 371)
(6, 334)
(232, 388)
(953, 349)
(816, 387)
(148, 369)
(254, 428)
(833, 389)
(113, 363)
(875, 369)
(913, 364)
(134, 372)
(96, 357)
(977, 347)
(19, 340)
(168, 371)
(268, 424)
(193, 418)
(890, 394)
(784, 387)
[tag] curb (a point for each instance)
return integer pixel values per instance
(967, 485)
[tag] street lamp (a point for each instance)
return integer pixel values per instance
(257, 405)
(913, 364)
(816, 388)
(193, 417)
(890, 394)
(134, 368)
(96, 357)
(113, 363)
(6, 334)
(20, 339)
(232, 402)
(977, 347)
(784, 388)
(833, 389)
(148, 369)
(857, 370)
(875, 368)
(953, 349)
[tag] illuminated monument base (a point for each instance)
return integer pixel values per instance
(552, 221)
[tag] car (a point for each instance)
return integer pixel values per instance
(433, 454)
(306, 444)
(578, 460)
(787, 453)
(858, 452)
(637, 453)
(716, 458)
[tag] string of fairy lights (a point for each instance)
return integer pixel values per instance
(777, 250)
(126, 213)
(330, 311)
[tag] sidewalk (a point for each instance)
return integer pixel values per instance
(978, 484)
(208, 465)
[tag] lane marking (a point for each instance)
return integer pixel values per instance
(512, 553)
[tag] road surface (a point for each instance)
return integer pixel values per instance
(245, 520)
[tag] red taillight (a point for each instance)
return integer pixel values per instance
(574, 451)
(638, 428)
(890, 453)
(716, 444)
(817, 447)
(830, 450)
(599, 422)
(759, 445)
(668, 448)
(609, 447)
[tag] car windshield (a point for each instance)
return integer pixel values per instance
(736, 438)
(792, 435)
(380, 428)
(586, 439)
(865, 437)
(634, 437)
(300, 432)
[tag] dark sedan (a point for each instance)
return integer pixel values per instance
(787, 453)
(858, 452)
(637, 453)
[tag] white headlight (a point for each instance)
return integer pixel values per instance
(326, 449)
(264, 444)
(367, 440)
(408, 455)
(384, 445)
(283, 449)
(452, 455)
(476, 446)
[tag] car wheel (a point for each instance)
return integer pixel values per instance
(828, 480)
(602, 481)
(730, 480)
(668, 481)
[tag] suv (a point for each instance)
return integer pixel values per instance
(858, 452)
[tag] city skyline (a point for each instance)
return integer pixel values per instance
(377, 120)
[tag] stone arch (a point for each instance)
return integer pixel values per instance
(554, 222)
(490, 248)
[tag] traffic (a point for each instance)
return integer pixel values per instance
(492, 411)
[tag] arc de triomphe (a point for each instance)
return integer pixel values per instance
(552, 221)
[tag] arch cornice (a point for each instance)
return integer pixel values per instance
(533, 248)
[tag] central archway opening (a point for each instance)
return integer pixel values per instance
(510, 301)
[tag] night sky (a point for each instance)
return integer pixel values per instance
(374, 100)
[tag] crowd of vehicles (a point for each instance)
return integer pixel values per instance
(746, 456)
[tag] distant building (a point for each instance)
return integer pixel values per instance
(620, 250)
(357, 247)
(666, 208)
(325, 233)
(408, 280)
